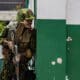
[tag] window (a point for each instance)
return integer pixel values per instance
(11, 4)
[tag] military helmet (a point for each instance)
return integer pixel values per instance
(25, 14)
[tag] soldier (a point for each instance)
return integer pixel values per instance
(25, 38)
(8, 70)
(25, 34)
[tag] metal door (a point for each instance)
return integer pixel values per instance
(73, 52)
(51, 50)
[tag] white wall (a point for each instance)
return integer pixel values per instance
(73, 12)
(8, 15)
(31, 5)
(51, 9)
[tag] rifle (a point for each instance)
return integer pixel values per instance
(14, 50)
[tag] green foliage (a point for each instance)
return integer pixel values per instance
(2, 26)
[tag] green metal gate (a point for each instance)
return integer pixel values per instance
(51, 49)
(73, 52)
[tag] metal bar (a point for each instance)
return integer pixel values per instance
(17, 61)
(11, 2)
(26, 3)
(35, 12)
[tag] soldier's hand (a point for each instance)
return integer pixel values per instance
(10, 44)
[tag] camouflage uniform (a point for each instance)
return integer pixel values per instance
(25, 38)
(8, 70)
